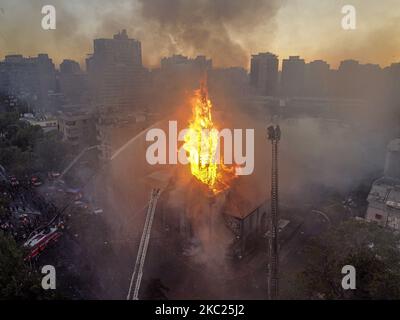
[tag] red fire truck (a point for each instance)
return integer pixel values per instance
(37, 243)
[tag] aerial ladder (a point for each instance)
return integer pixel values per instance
(136, 278)
(274, 135)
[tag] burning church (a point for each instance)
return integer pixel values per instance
(202, 202)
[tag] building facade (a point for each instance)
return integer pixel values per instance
(264, 73)
(293, 75)
(77, 127)
(32, 79)
(116, 75)
(384, 197)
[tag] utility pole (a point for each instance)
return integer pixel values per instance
(274, 135)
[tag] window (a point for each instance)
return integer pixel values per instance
(378, 216)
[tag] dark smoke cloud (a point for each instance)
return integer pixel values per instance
(216, 28)
(207, 26)
(228, 31)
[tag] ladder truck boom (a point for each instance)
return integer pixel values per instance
(136, 279)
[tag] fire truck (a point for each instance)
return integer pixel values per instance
(40, 241)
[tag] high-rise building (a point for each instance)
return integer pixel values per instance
(292, 82)
(73, 82)
(348, 80)
(32, 79)
(185, 70)
(179, 61)
(115, 72)
(70, 67)
(264, 73)
(316, 82)
(393, 80)
(355, 80)
(177, 75)
(120, 49)
(228, 86)
(372, 82)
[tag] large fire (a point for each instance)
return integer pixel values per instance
(201, 145)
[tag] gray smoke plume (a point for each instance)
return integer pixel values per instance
(220, 29)
(209, 26)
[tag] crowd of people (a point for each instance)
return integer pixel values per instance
(24, 210)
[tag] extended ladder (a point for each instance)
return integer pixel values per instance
(144, 244)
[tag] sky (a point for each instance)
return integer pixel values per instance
(228, 31)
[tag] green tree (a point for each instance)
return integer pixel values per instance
(4, 203)
(371, 249)
(26, 149)
(50, 153)
(17, 280)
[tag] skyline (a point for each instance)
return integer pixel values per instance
(82, 62)
(229, 34)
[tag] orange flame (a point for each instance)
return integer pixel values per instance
(202, 143)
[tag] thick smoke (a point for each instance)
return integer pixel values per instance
(218, 28)
(208, 27)
(226, 30)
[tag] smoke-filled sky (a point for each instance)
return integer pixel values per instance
(228, 31)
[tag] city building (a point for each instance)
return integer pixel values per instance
(184, 71)
(77, 127)
(32, 79)
(316, 80)
(179, 61)
(70, 67)
(73, 82)
(246, 217)
(114, 129)
(392, 165)
(176, 76)
(264, 73)
(292, 80)
(384, 197)
(348, 79)
(227, 85)
(393, 81)
(116, 75)
(46, 122)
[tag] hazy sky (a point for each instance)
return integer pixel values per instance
(228, 31)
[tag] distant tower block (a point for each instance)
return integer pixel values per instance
(392, 166)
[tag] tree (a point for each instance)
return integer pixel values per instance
(17, 279)
(371, 249)
(4, 203)
(50, 153)
(26, 149)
